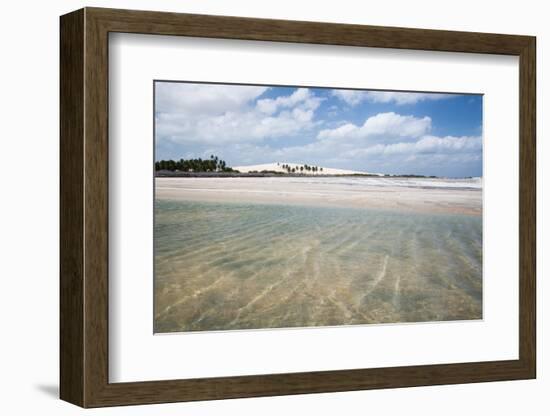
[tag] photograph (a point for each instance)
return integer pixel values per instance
(318, 207)
(298, 206)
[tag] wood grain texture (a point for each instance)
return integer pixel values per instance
(225, 27)
(71, 213)
(96, 208)
(84, 207)
(528, 207)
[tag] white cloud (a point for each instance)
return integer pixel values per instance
(355, 97)
(425, 145)
(211, 114)
(194, 99)
(428, 154)
(302, 97)
(351, 97)
(389, 125)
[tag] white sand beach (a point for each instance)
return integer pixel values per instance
(452, 196)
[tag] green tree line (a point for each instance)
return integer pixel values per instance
(214, 164)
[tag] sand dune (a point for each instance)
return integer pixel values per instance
(278, 167)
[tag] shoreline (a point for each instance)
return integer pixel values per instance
(269, 174)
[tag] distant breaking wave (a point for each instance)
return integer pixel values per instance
(473, 183)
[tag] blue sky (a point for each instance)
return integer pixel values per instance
(372, 131)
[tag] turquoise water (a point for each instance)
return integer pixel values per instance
(223, 266)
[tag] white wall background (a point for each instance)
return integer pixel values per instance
(29, 207)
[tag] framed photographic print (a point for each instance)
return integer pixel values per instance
(255, 207)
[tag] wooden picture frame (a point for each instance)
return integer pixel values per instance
(84, 207)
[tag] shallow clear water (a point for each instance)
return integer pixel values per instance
(223, 266)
